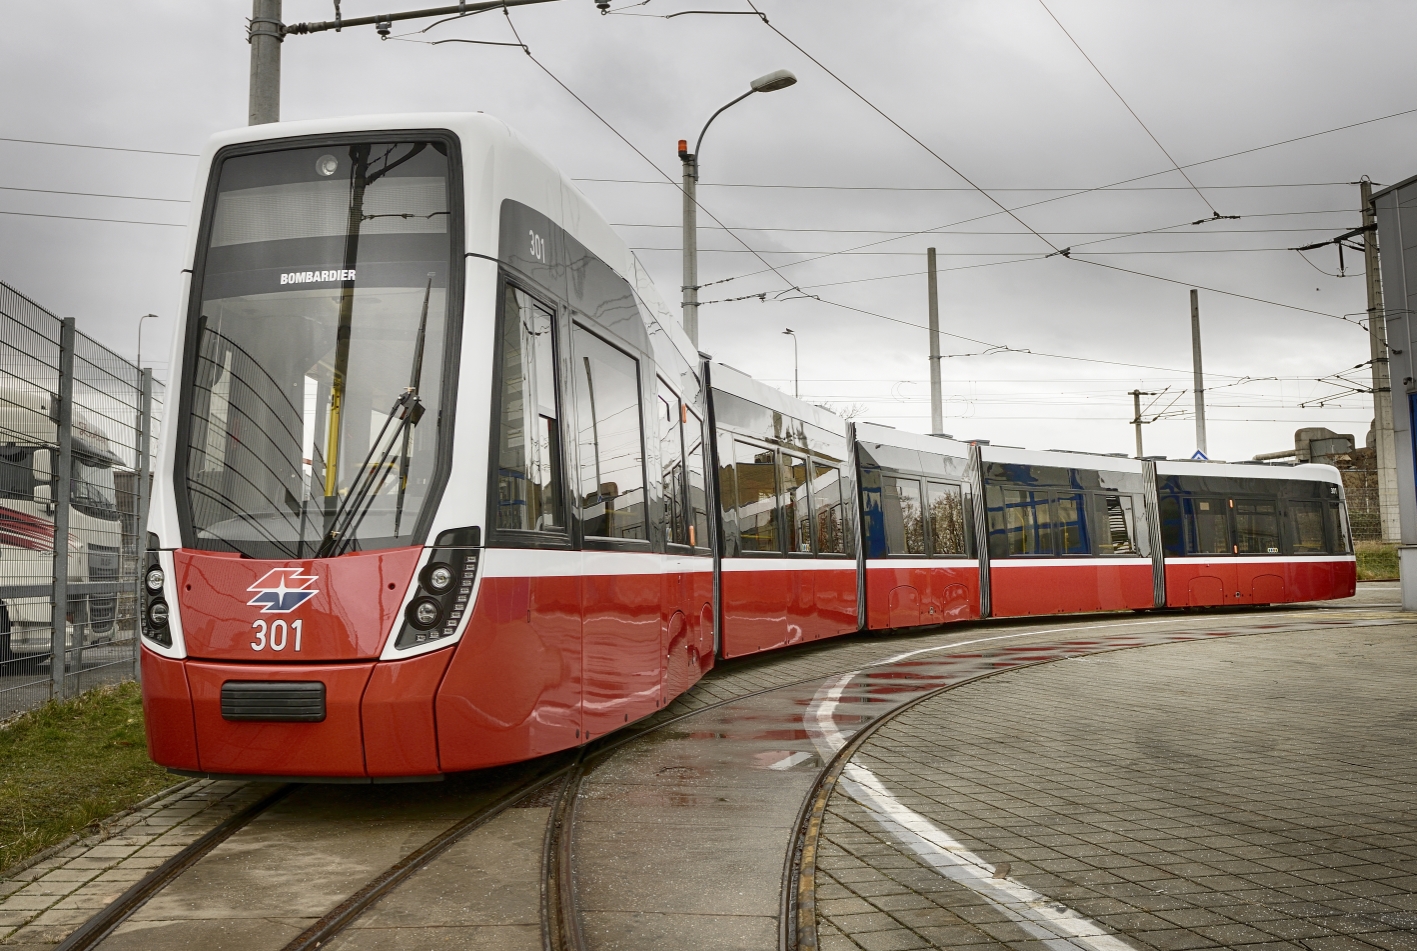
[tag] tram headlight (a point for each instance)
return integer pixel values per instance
(326, 165)
(153, 580)
(157, 615)
(424, 613)
(438, 578)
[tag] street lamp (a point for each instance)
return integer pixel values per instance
(772, 82)
(796, 383)
(140, 338)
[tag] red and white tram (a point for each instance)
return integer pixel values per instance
(445, 486)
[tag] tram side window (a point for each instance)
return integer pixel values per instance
(728, 495)
(1117, 532)
(528, 447)
(1306, 521)
(671, 467)
(904, 516)
(1207, 527)
(609, 438)
(829, 511)
(1341, 534)
(697, 501)
(946, 507)
(1020, 523)
(1072, 525)
(1256, 527)
(1172, 526)
(796, 506)
(757, 498)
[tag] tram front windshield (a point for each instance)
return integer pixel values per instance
(314, 372)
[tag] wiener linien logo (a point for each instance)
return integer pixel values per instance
(282, 590)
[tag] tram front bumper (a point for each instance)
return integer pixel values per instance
(377, 717)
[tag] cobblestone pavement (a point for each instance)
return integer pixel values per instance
(1256, 792)
(41, 904)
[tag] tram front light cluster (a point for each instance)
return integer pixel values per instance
(156, 615)
(444, 590)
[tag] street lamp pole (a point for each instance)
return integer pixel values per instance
(778, 79)
(796, 381)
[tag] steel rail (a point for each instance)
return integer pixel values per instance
(560, 919)
(92, 932)
(348, 911)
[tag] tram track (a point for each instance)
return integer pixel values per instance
(93, 932)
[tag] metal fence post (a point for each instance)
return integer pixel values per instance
(144, 440)
(63, 471)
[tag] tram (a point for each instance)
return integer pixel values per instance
(445, 486)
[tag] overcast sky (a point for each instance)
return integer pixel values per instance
(993, 87)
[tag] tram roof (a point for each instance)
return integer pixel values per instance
(499, 163)
(740, 384)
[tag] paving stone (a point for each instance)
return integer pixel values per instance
(1187, 796)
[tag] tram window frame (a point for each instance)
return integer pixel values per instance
(580, 332)
(758, 451)
(669, 410)
(559, 537)
(1191, 528)
(700, 528)
(998, 531)
(1292, 533)
(1133, 523)
(827, 502)
(1343, 533)
(962, 494)
(891, 482)
(794, 501)
(1081, 545)
(1241, 536)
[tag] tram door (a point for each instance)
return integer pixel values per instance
(620, 587)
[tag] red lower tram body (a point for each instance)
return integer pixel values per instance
(551, 661)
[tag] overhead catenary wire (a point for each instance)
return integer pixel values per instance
(1127, 106)
(1126, 181)
(527, 50)
(57, 191)
(956, 188)
(105, 148)
(116, 221)
(910, 135)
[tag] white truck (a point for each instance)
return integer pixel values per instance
(28, 483)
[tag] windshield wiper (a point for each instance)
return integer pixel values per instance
(407, 410)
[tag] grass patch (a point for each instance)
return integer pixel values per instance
(67, 765)
(1377, 561)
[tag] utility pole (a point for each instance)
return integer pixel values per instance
(1382, 378)
(1136, 415)
(1197, 373)
(691, 243)
(265, 34)
(937, 408)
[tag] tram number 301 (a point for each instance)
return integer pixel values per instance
(538, 246)
(276, 636)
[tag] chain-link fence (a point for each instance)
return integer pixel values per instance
(74, 475)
